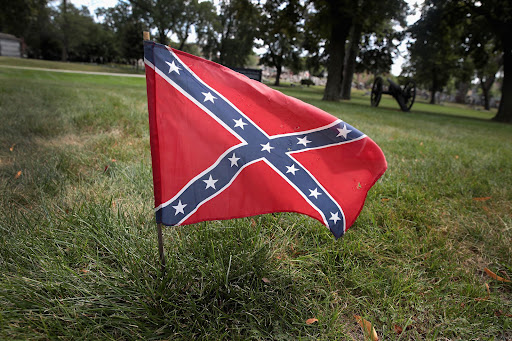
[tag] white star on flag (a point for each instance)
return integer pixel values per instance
(334, 217)
(173, 67)
(179, 208)
(234, 160)
(239, 123)
(210, 182)
(208, 97)
(314, 193)
(266, 147)
(291, 169)
(304, 141)
(343, 132)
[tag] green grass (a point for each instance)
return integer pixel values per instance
(47, 64)
(78, 248)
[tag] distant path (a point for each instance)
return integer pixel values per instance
(73, 71)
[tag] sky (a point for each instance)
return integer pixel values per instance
(395, 69)
(94, 4)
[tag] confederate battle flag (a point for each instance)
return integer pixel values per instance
(224, 146)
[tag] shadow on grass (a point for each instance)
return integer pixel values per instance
(436, 114)
(387, 105)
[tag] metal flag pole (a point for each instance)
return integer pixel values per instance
(145, 36)
(161, 246)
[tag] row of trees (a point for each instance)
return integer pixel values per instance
(464, 40)
(454, 39)
(297, 34)
(63, 32)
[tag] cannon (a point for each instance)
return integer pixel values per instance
(403, 95)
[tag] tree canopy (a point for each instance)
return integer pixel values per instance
(234, 30)
(497, 16)
(281, 32)
(433, 53)
(334, 21)
(452, 35)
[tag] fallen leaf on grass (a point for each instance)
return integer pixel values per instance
(106, 167)
(17, 175)
(481, 199)
(496, 277)
(311, 320)
(488, 294)
(253, 222)
(265, 280)
(367, 328)
(398, 329)
(385, 199)
(456, 156)
(499, 313)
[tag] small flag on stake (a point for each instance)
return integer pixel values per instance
(224, 146)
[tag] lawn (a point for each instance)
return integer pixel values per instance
(88, 67)
(78, 247)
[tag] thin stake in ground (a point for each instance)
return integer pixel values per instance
(145, 36)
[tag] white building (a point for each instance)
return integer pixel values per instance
(10, 46)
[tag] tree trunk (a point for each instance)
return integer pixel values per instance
(162, 37)
(486, 84)
(182, 45)
(505, 109)
(434, 88)
(339, 33)
(462, 90)
(183, 41)
(279, 69)
(485, 92)
(432, 96)
(64, 11)
(350, 60)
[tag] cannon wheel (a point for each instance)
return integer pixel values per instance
(409, 95)
(376, 92)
